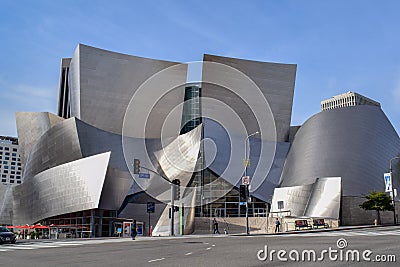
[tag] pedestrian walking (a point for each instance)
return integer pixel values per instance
(277, 224)
(215, 223)
(133, 230)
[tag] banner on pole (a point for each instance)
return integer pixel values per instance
(388, 182)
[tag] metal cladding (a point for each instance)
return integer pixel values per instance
(246, 97)
(31, 126)
(102, 84)
(319, 199)
(275, 80)
(58, 145)
(354, 143)
(69, 187)
(6, 203)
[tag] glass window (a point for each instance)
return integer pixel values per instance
(18, 173)
(12, 176)
(3, 176)
(18, 182)
(11, 181)
(14, 159)
(6, 167)
(14, 154)
(5, 171)
(3, 180)
(19, 168)
(1, 152)
(7, 158)
(12, 172)
(7, 148)
(14, 149)
(19, 164)
(12, 163)
(18, 177)
(1, 148)
(12, 167)
(5, 162)
(1, 157)
(7, 153)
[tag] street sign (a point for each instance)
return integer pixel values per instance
(151, 207)
(144, 175)
(245, 180)
(388, 181)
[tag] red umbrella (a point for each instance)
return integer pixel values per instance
(22, 226)
(39, 227)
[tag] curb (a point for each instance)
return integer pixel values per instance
(299, 232)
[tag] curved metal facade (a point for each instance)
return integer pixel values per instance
(31, 126)
(355, 143)
(69, 187)
(102, 84)
(248, 89)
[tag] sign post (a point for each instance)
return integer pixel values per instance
(151, 207)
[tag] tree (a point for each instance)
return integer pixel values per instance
(379, 201)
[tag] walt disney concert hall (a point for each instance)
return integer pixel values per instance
(78, 165)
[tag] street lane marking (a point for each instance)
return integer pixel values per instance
(4, 250)
(40, 246)
(189, 253)
(208, 248)
(157, 260)
(213, 245)
(17, 247)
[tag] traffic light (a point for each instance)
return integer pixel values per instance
(136, 166)
(244, 193)
(177, 188)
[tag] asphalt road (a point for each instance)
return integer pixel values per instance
(210, 250)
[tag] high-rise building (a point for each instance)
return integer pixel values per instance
(10, 162)
(347, 100)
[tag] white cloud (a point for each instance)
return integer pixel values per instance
(22, 97)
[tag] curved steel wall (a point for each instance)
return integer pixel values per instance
(58, 145)
(241, 85)
(355, 143)
(67, 188)
(103, 82)
(31, 126)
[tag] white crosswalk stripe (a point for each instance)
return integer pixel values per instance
(56, 244)
(351, 233)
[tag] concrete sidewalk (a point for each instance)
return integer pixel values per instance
(154, 238)
(341, 228)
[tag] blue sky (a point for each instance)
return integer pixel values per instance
(338, 46)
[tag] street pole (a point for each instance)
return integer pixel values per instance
(172, 196)
(247, 186)
(149, 223)
(394, 204)
(172, 209)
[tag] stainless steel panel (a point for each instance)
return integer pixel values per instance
(355, 143)
(103, 83)
(30, 127)
(67, 188)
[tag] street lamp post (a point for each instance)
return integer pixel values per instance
(247, 186)
(391, 177)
